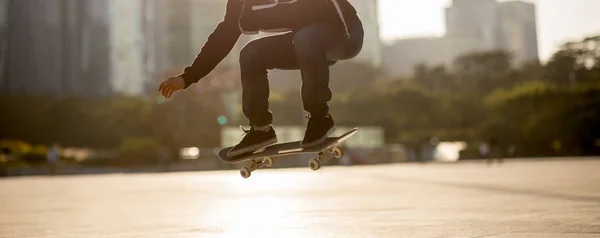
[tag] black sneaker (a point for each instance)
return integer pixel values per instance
(253, 141)
(318, 129)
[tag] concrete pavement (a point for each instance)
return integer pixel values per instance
(522, 198)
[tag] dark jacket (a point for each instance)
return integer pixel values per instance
(253, 16)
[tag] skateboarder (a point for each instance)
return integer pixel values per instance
(317, 34)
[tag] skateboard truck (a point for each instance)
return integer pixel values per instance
(258, 163)
(324, 156)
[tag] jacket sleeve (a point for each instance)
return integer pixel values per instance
(219, 44)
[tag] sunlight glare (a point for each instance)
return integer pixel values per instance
(262, 180)
(260, 206)
(411, 18)
(449, 151)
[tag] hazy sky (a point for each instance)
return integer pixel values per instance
(558, 20)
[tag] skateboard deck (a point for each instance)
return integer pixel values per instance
(262, 158)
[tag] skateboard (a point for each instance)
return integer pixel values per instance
(264, 158)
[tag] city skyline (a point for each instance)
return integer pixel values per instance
(559, 21)
(134, 50)
(472, 26)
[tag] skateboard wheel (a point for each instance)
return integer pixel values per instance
(338, 152)
(269, 162)
(314, 164)
(245, 172)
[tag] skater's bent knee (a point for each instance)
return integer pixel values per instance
(305, 39)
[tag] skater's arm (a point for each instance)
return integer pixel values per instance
(218, 45)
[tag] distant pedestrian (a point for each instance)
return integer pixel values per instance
(484, 149)
(419, 153)
(4, 158)
(53, 158)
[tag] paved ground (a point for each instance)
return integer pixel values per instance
(542, 199)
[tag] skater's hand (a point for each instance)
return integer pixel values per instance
(171, 85)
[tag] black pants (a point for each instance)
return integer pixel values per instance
(311, 49)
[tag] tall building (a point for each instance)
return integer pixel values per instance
(127, 48)
(153, 49)
(56, 47)
(372, 45)
(88, 42)
(177, 33)
(519, 30)
(136, 47)
(3, 42)
(471, 26)
(34, 32)
(476, 20)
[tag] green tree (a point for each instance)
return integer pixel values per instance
(575, 62)
(535, 114)
(435, 78)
